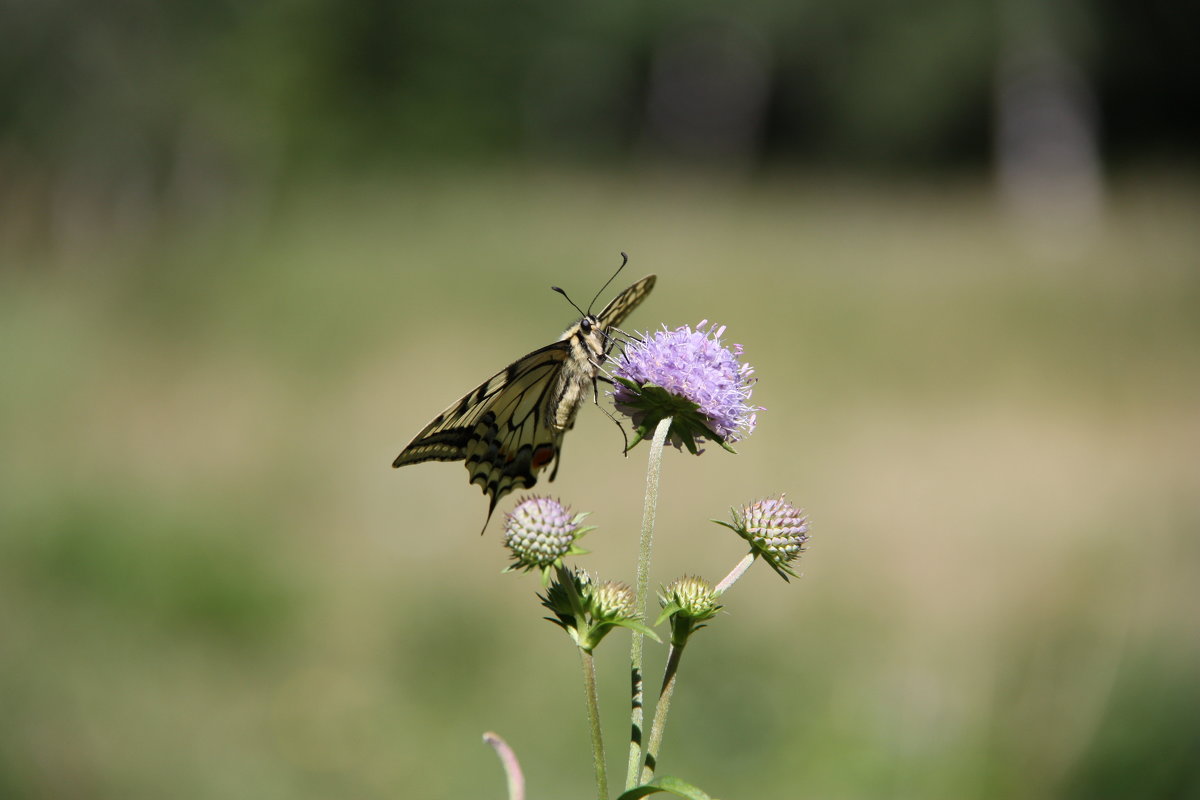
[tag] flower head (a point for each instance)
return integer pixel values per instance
(691, 597)
(775, 529)
(588, 611)
(612, 601)
(688, 602)
(691, 376)
(568, 596)
(540, 531)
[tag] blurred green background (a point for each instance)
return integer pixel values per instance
(248, 250)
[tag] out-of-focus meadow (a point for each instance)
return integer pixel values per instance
(222, 317)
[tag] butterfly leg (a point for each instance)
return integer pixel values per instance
(596, 399)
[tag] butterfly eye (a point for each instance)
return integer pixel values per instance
(585, 325)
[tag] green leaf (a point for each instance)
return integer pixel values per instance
(685, 435)
(667, 612)
(640, 627)
(665, 783)
(640, 433)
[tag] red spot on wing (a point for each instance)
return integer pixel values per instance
(542, 456)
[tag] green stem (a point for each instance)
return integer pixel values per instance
(735, 573)
(593, 712)
(661, 708)
(653, 470)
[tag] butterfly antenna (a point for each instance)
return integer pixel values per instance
(569, 300)
(624, 261)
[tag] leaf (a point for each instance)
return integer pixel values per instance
(640, 627)
(666, 612)
(665, 783)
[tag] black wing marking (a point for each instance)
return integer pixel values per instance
(503, 429)
(624, 303)
(500, 429)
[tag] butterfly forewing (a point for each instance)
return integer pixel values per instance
(512, 425)
(620, 307)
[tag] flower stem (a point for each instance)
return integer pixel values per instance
(512, 768)
(653, 470)
(735, 573)
(661, 708)
(593, 712)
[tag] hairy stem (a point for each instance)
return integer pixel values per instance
(661, 708)
(653, 470)
(593, 712)
(735, 573)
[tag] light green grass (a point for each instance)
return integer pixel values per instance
(212, 585)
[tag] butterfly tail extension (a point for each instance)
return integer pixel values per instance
(557, 461)
(488, 518)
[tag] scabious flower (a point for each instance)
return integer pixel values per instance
(612, 601)
(568, 597)
(688, 375)
(540, 532)
(688, 602)
(690, 596)
(588, 611)
(775, 529)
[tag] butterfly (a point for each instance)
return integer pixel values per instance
(510, 427)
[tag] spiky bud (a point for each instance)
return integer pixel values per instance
(540, 531)
(568, 601)
(692, 597)
(688, 602)
(776, 530)
(612, 601)
(588, 611)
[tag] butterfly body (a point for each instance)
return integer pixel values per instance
(511, 426)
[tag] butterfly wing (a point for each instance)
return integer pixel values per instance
(501, 429)
(624, 303)
(511, 426)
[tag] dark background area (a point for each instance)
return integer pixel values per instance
(155, 98)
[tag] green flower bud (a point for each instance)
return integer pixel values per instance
(689, 602)
(613, 601)
(567, 602)
(588, 611)
(691, 597)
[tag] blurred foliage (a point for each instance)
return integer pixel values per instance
(212, 585)
(246, 249)
(158, 92)
(166, 569)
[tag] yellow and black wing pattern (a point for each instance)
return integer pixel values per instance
(615, 312)
(511, 426)
(499, 429)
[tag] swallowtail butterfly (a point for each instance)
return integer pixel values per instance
(511, 426)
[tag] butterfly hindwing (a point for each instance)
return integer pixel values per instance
(449, 435)
(499, 429)
(511, 426)
(513, 440)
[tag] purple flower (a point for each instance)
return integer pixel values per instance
(688, 375)
(540, 531)
(776, 530)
